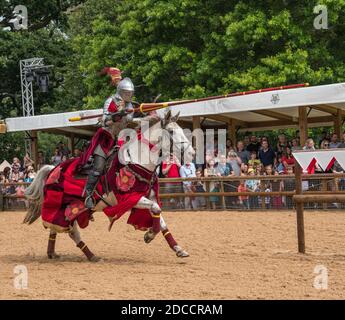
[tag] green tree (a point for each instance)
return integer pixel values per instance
(45, 37)
(198, 48)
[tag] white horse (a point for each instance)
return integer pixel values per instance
(134, 152)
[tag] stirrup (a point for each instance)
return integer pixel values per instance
(93, 201)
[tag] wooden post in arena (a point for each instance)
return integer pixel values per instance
(299, 209)
(1, 201)
(303, 125)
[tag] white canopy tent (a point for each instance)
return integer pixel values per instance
(301, 107)
(4, 165)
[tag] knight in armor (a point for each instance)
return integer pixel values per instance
(117, 112)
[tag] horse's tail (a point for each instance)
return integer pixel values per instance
(34, 193)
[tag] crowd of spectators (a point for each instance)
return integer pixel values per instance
(13, 178)
(251, 157)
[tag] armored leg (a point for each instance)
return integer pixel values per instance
(93, 178)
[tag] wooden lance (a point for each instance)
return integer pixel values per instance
(148, 107)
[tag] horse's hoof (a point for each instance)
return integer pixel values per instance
(95, 259)
(148, 237)
(53, 256)
(182, 254)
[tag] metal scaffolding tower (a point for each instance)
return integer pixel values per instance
(27, 66)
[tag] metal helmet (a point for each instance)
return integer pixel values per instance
(125, 89)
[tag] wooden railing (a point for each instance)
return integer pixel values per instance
(325, 184)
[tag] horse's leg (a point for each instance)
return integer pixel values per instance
(75, 236)
(155, 210)
(171, 241)
(51, 245)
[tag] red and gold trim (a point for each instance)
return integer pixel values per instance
(83, 247)
(169, 238)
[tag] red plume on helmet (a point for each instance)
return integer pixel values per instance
(114, 73)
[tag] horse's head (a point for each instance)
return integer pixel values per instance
(178, 139)
(156, 134)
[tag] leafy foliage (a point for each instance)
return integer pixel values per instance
(179, 48)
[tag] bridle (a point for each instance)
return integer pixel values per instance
(172, 142)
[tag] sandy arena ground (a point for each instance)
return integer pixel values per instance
(233, 255)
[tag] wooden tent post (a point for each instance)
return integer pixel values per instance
(303, 125)
(196, 125)
(299, 209)
(232, 131)
(338, 123)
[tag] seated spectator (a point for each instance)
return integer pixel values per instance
(246, 141)
(231, 186)
(279, 165)
(209, 156)
(242, 153)
(29, 174)
(268, 170)
(77, 153)
(259, 169)
(253, 161)
(277, 186)
(27, 161)
(282, 143)
(64, 151)
(324, 144)
(244, 169)
(199, 186)
(210, 171)
(16, 175)
(229, 146)
(254, 145)
(235, 162)
(309, 144)
(266, 154)
(334, 141)
(20, 191)
(243, 199)
(3, 179)
(16, 163)
(170, 169)
(7, 173)
(342, 144)
(295, 145)
(268, 189)
(253, 185)
(287, 158)
(223, 168)
(56, 158)
(188, 171)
